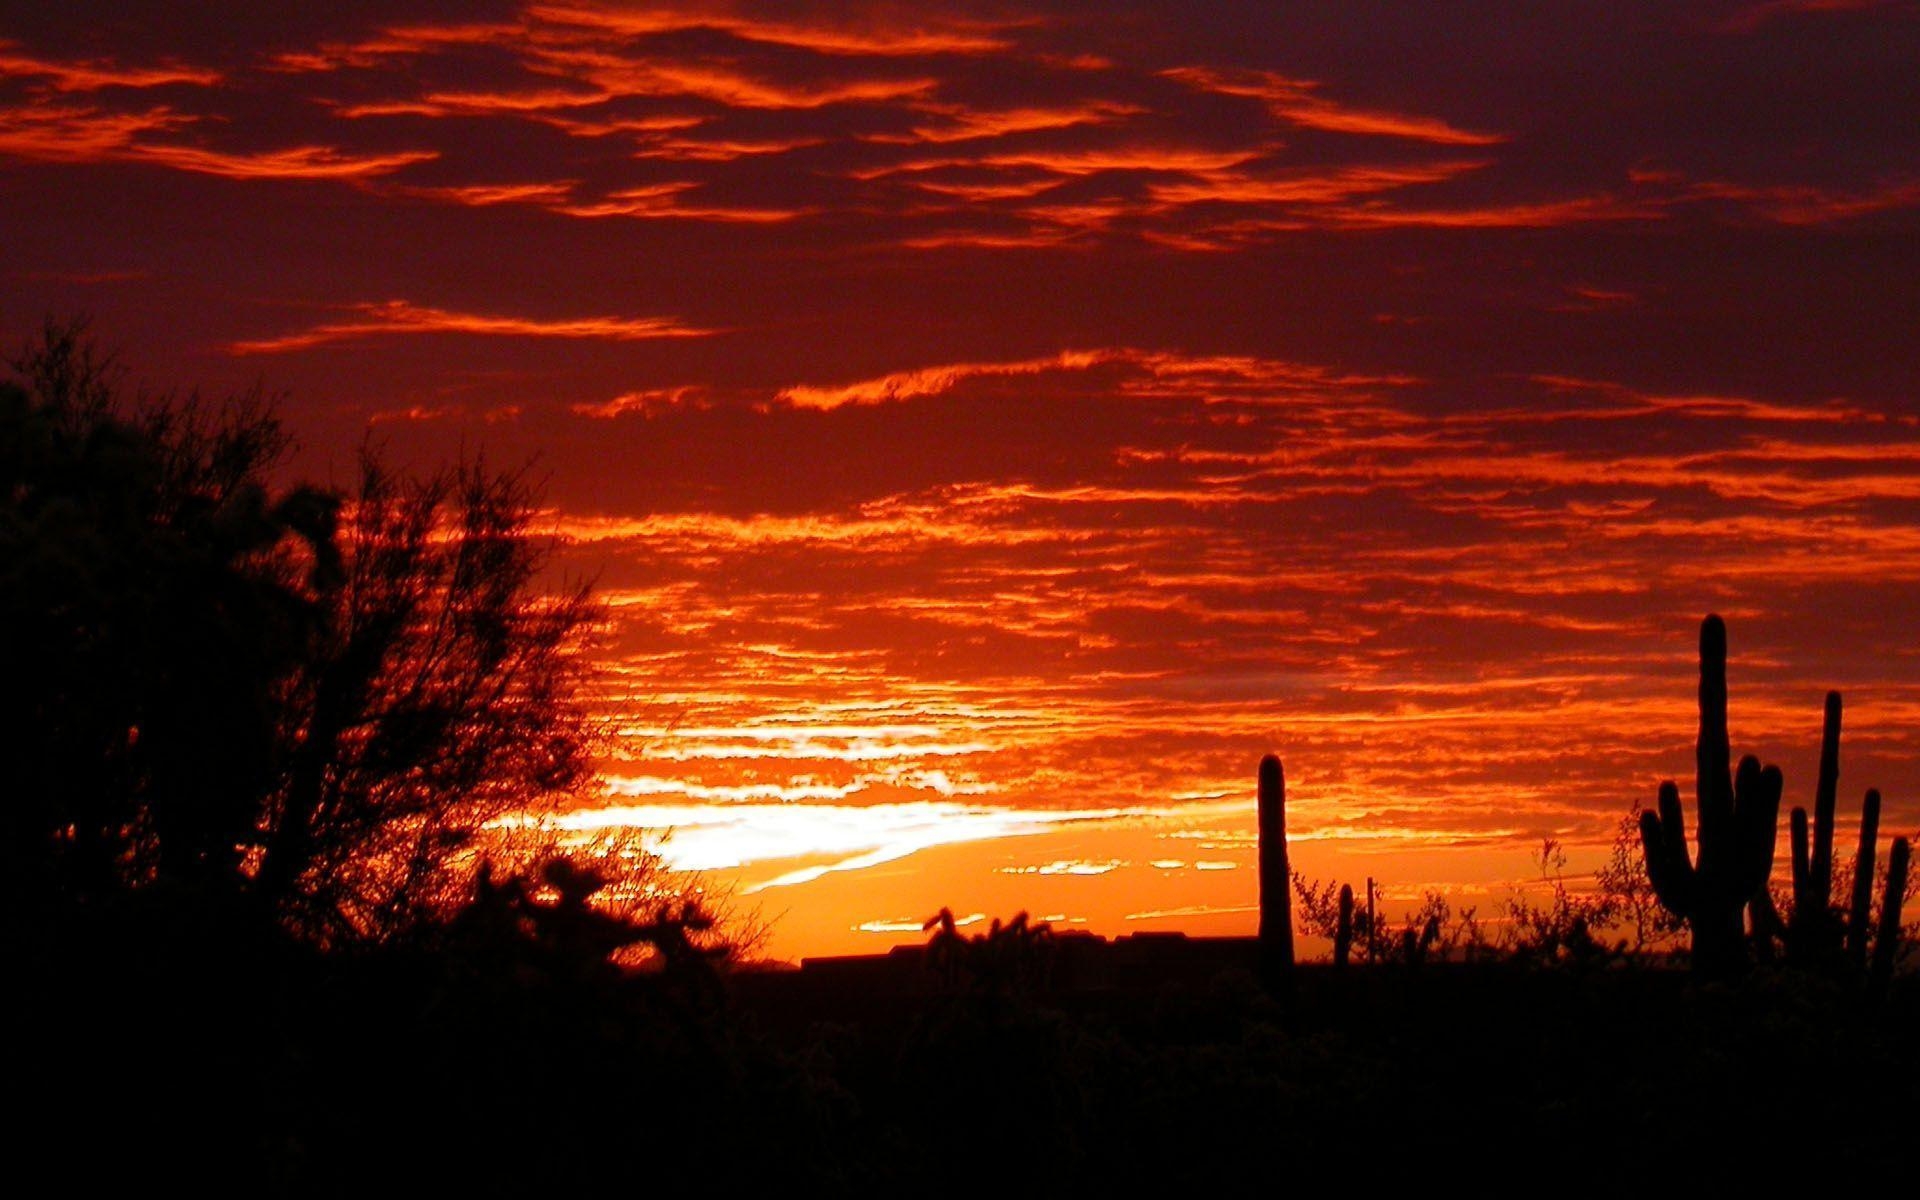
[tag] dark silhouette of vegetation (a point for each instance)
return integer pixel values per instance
(1814, 935)
(1821, 934)
(1860, 911)
(304, 700)
(1738, 814)
(1319, 908)
(553, 923)
(1008, 957)
(257, 736)
(1570, 926)
(1631, 903)
(1887, 945)
(1276, 915)
(1343, 927)
(1724, 896)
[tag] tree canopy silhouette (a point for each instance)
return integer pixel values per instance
(307, 700)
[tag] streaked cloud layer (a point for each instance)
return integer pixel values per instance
(995, 426)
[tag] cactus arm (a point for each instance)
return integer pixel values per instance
(1858, 916)
(1758, 804)
(1727, 856)
(1653, 852)
(1887, 944)
(1801, 868)
(1767, 818)
(1663, 840)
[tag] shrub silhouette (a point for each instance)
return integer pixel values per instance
(299, 701)
(1015, 956)
(546, 928)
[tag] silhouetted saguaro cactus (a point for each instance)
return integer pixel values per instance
(1738, 819)
(1343, 932)
(1814, 935)
(1276, 911)
(1887, 944)
(1859, 916)
(1820, 935)
(1415, 946)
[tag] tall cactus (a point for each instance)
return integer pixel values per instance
(1276, 881)
(1343, 932)
(1738, 818)
(1887, 945)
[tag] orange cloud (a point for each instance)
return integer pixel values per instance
(550, 195)
(93, 75)
(695, 149)
(1578, 210)
(642, 403)
(621, 75)
(471, 104)
(663, 201)
(1791, 204)
(966, 124)
(1299, 102)
(82, 134)
(1305, 186)
(874, 32)
(395, 317)
(400, 41)
(75, 133)
(293, 162)
(926, 381)
(1079, 162)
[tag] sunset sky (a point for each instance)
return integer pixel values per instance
(994, 426)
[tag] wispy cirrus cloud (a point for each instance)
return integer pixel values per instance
(83, 134)
(874, 32)
(1081, 148)
(927, 381)
(645, 402)
(400, 317)
(89, 75)
(1753, 16)
(1302, 102)
(671, 201)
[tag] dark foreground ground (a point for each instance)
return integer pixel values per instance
(227, 1066)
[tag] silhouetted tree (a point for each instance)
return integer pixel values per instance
(439, 693)
(554, 924)
(307, 701)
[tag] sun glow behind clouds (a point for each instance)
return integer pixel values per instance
(851, 838)
(979, 664)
